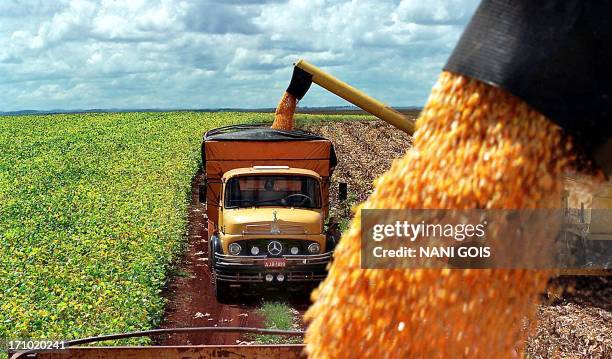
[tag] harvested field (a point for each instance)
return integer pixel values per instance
(365, 150)
(577, 323)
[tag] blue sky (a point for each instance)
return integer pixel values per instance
(209, 54)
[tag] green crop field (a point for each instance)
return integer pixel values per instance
(93, 215)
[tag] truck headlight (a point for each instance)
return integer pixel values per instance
(314, 248)
(295, 250)
(234, 248)
(254, 250)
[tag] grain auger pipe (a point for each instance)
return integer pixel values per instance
(305, 73)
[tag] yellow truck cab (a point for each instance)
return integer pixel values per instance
(267, 203)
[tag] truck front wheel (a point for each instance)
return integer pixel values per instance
(222, 291)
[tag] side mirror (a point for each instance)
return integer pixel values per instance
(202, 191)
(342, 191)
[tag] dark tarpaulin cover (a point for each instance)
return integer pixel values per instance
(556, 55)
(257, 133)
(262, 133)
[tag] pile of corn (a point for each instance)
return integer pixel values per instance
(283, 117)
(476, 147)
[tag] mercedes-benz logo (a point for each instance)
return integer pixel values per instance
(275, 248)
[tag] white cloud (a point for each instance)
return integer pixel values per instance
(195, 54)
(436, 12)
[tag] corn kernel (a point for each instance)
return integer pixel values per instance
(499, 153)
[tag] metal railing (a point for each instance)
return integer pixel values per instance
(156, 332)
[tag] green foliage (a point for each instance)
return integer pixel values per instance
(92, 215)
(279, 316)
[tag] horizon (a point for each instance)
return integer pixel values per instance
(208, 109)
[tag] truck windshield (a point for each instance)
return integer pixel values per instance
(276, 190)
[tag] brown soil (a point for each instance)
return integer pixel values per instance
(365, 150)
(577, 321)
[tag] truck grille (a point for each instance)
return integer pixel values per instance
(267, 228)
(286, 244)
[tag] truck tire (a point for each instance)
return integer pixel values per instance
(213, 247)
(222, 291)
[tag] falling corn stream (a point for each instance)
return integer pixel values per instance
(283, 117)
(476, 146)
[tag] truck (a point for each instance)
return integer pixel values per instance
(267, 205)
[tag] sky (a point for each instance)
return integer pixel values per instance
(219, 54)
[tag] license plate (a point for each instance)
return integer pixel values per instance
(275, 263)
